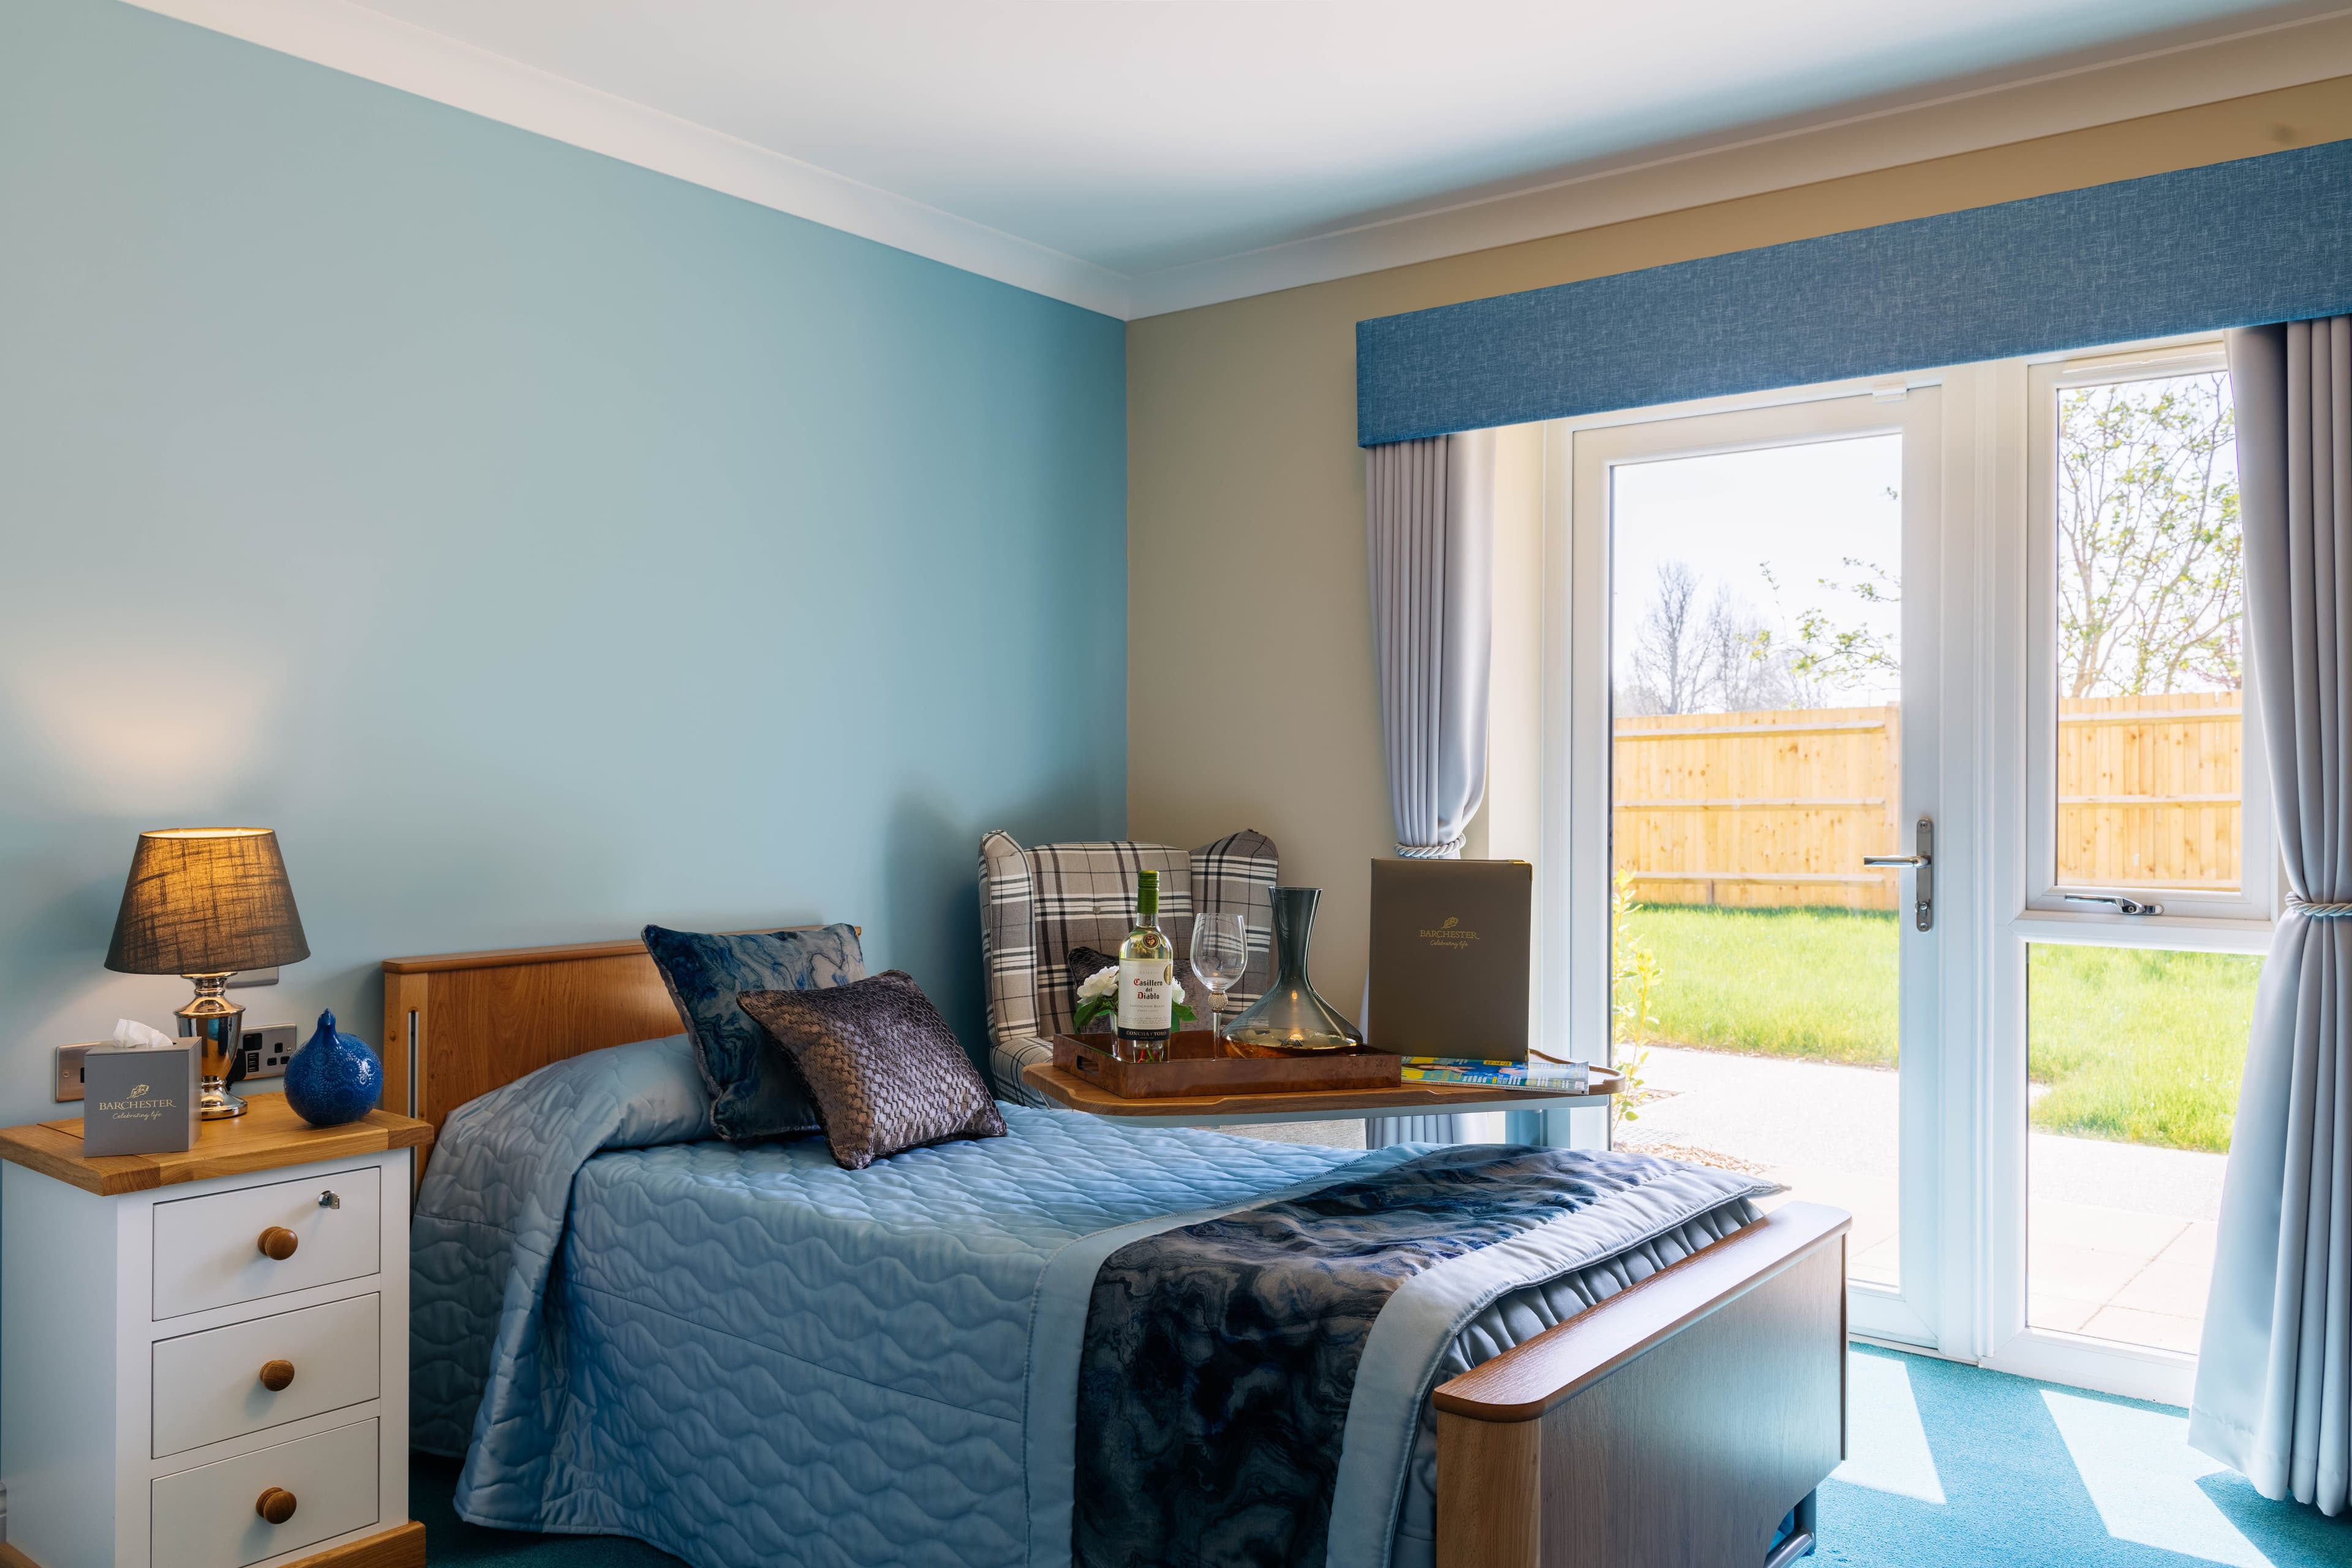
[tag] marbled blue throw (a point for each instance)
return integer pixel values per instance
(1220, 1358)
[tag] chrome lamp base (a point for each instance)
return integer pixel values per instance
(215, 1103)
(219, 1023)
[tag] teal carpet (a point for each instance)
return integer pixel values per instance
(1952, 1467)
(1958, 1468)
(449, 1540)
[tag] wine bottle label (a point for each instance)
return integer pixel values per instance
(1143, 1000)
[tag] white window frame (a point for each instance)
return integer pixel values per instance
(1991, 780)
(2020, 775)
(2187, 911)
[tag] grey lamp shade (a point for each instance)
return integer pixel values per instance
(206, 900)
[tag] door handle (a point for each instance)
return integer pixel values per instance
(1923, 866)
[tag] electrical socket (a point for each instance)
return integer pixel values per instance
(266, 1051)
(269, 1050)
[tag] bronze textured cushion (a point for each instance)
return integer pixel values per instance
(883, 1067)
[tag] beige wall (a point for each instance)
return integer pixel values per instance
(1250, 686)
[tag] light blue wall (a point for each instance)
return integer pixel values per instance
(541, 545)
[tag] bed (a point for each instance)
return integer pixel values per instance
(745, 1355)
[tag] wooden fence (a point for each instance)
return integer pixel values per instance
(1778, 807)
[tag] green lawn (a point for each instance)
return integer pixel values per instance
(2140, 1045)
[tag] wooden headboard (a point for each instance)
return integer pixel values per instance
(462, 1024)
(459, 1024)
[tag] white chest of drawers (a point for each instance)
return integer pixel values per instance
(204, 1356)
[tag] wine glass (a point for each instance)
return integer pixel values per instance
(1220, 957)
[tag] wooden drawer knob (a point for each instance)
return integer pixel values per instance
(275, 1505)
(279, 1242)
(277, 1375)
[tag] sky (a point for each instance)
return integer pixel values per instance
(1796, 510)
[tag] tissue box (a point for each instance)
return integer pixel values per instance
(140, 1099)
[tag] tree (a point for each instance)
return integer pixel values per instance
(1745, 670)
(1669, 653)
(1855, 654)
(2151, 587)
(1719, 660)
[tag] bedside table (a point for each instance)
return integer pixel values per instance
(204, 1355)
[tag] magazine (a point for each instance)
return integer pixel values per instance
(1571, 1077)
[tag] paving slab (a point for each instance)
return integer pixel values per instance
(2119, 1236)
(2051, 1222)
(2163, 1330)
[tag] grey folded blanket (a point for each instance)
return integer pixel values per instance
(1220, 1358)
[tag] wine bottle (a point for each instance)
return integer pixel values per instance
(1146, 973)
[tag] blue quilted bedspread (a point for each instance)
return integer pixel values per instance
(747, 1355)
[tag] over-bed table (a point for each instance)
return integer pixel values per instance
(1676, 1422)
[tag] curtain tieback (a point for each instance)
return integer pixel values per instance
(2316, 911)
(1449, 850)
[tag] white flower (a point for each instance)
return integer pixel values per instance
(1175, 992)
(1101, 982)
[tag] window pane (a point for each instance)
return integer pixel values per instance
(2135, 1055)
(1756, 670)
(2150, 606)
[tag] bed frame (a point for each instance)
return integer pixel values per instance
(1675, 1425)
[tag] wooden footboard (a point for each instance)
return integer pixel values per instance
(1671, 1426)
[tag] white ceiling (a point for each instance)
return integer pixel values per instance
(1131, 137)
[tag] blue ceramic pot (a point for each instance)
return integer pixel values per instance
(334, 1078)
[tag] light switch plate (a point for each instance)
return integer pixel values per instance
(69, 1070)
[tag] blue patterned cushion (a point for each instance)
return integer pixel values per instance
(753, 1090)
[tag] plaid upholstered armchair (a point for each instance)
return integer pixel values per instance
(1037, 904)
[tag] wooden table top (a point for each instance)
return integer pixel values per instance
(266, 1137)
(1072, 1092)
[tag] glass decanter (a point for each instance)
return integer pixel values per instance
(1290, 1016)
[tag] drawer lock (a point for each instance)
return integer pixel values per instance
(277, 1377)
(275, 1505)
(278, 1242)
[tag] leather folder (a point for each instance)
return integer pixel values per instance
(1450, 958)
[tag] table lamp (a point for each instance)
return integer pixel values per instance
(205, 903)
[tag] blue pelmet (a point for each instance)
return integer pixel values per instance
(2230, 245)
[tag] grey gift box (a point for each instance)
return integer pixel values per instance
(139, 1099)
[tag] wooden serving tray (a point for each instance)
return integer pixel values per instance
(1195, 1066)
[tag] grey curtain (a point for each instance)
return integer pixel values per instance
(1429, 520)
(2275, 1374)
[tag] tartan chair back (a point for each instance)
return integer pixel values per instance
(1038, 903)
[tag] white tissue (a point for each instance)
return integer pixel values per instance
(132, 1034)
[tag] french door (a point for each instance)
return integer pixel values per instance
(1901, 834)
(1751, 658)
